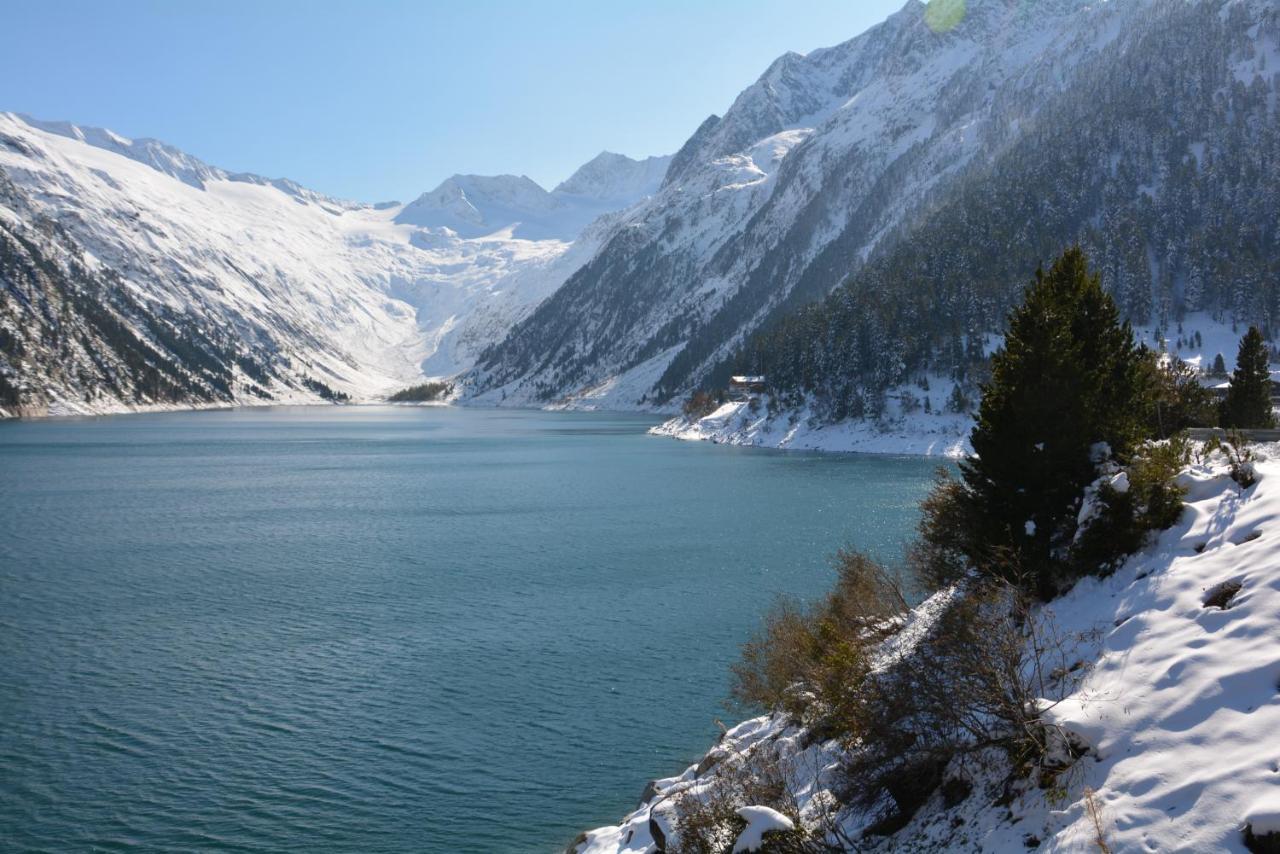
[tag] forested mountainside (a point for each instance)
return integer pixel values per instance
(1172, 187)
(228, 287)
(907, 179)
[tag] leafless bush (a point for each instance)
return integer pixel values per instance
(706, 817)
(702, 403)
(976, 682)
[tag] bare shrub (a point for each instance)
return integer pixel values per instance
(702, 403)
(973, 684)
(939, 556)
(776, 659)
(706, 817)
(807, 660)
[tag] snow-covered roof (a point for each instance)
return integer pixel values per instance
(749, 379)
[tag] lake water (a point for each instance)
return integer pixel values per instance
(385, 629)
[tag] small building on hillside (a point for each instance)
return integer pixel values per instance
(1219, 387)
(745, 387)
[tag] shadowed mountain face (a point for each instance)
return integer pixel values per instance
(928, 166)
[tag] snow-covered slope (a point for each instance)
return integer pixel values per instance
(940, 434)
(846, 156)
(351, 297)
(1179, 707)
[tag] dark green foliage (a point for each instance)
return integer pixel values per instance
(9, 396)
(424, 393)
(1248, 402)
(1068, 378)
(324, 391)
(1219, 368)
(1180, 401)
(1151, 501)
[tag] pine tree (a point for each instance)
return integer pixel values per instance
(1248, 401)
(1219, 366)
(1069, 377)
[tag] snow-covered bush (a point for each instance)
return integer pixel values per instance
(712, 819)
(1124, 505)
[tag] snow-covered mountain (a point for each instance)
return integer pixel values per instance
(307, 296)
(930, 164)
(906, 181)
(481, 206)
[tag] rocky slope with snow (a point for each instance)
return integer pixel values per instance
(742, 422)
(928, 165)
(292, 295)
(1175, 710)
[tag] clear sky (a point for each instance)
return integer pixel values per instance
(383, 99)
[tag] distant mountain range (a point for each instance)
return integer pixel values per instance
(136, 275)
(861, 217)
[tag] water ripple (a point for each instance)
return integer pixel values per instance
(384, 630)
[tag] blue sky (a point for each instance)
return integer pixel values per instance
(383, 99)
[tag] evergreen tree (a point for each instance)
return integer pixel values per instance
(1219, 366)
(1180, 400)
(1068, 378)
(1248, 402)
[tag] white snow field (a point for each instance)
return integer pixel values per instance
(1180, 706)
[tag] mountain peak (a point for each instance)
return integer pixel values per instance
(609, 176)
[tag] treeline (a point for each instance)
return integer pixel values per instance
(424, 393)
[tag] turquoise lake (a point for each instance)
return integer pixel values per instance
(381, 629)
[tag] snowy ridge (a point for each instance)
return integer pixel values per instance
(907, 425)
(1179, 708)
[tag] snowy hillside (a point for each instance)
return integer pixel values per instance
(739, 423)
(322, 297)
(910, 164)
(1175, 711)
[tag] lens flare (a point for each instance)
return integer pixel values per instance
(943, 15)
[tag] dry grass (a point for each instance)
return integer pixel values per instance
(1095, 817)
